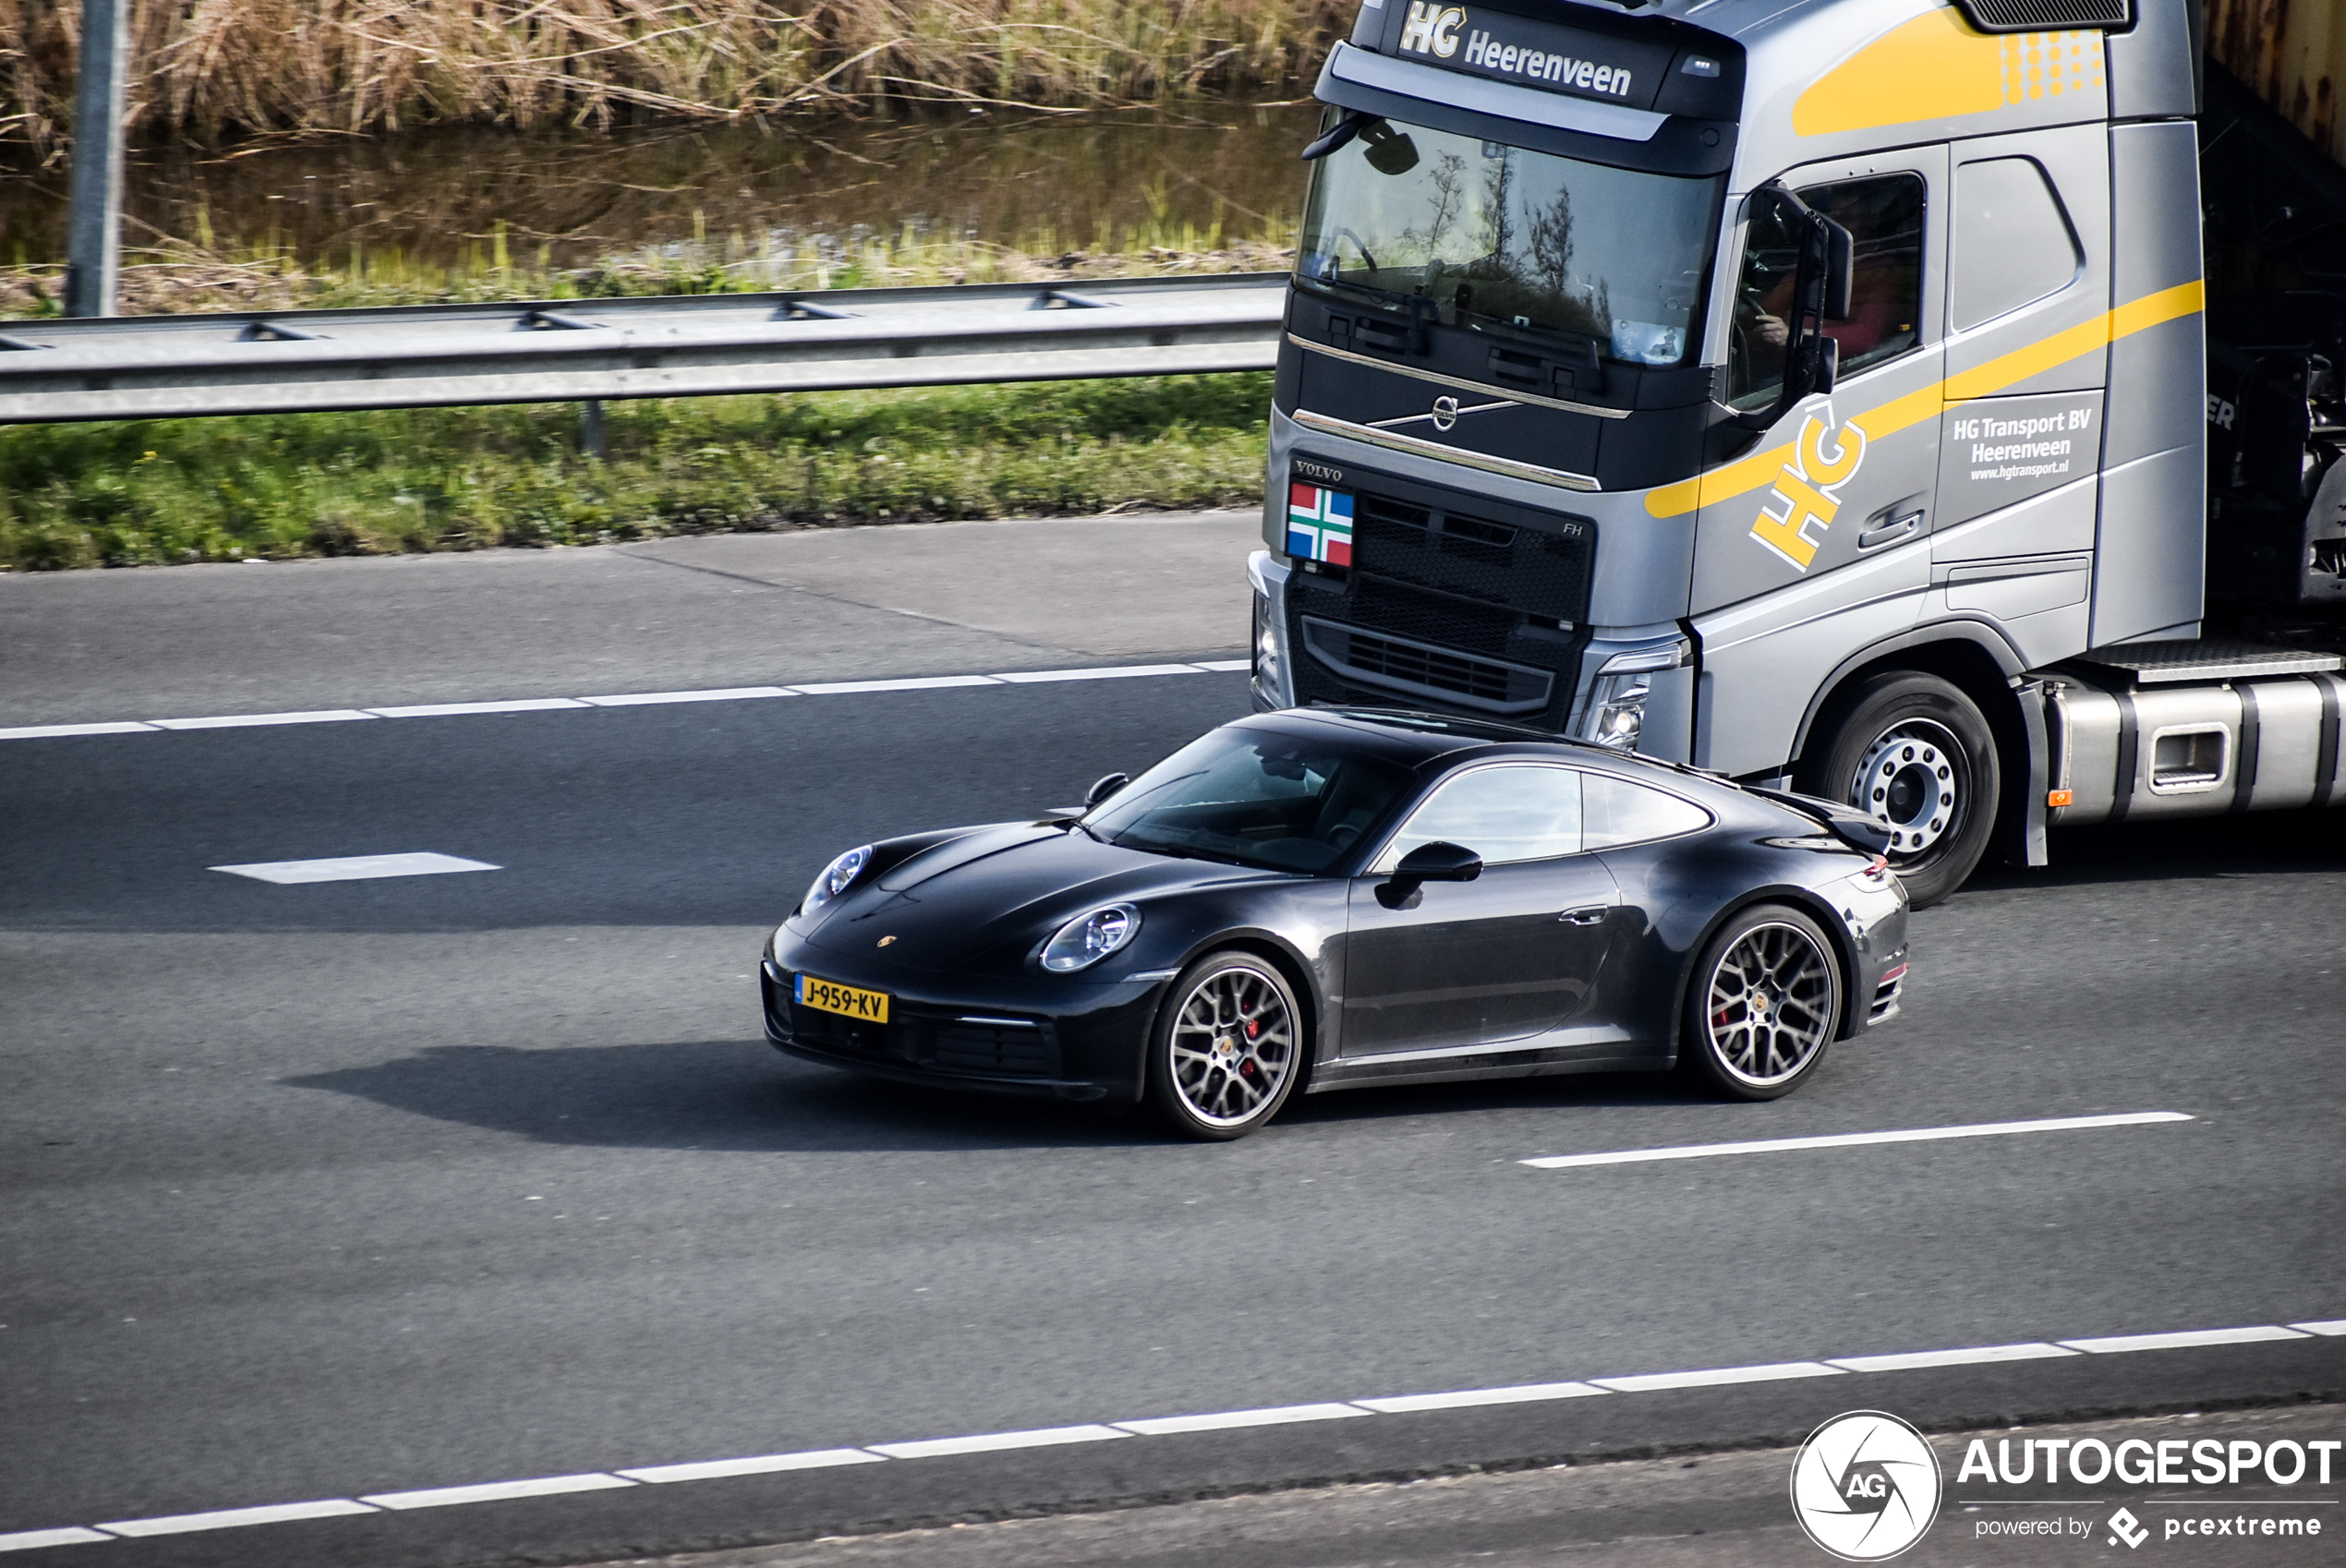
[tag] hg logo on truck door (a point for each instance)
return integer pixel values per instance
(1807, 491)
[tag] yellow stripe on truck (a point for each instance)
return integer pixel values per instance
(1746, 474)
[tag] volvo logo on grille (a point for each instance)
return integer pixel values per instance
(1445, 412)
(1319, 471)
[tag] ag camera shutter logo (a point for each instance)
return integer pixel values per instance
(1865, 1485)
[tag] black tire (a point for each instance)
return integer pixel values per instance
(1763, 1004)
(1914, 751)
(1227, 1049)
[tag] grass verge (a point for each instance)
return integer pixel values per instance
(157, 492)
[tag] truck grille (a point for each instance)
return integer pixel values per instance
(1408, 665)
(1461, 610)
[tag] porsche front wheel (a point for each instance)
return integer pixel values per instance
(1227, 1049)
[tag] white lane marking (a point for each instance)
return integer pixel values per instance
(34, 1540)
(1655, 1382)
(757, 1464)
(1276, 1416)
(1850, 1140)
(921, 683)
(1465, 1399)
(444, 710)
(355, 868)
(629, 699)
(989, 1442)
(1108, 672)
(497, 1491)
(2119, 1344)
(252, 720)
(1917, 1359)
(1405, 1404)
(47, 732)
(721, 695)
(235, 1518)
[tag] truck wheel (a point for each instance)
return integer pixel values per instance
(1915, 752)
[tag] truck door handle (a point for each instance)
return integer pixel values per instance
(1896, 529)
(1592, 915)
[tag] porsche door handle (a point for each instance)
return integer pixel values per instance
(1592, 915)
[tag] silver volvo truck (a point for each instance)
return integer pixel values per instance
(1821, 393)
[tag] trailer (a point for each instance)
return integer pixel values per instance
(1933, 407)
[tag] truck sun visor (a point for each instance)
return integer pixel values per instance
(1495, 98)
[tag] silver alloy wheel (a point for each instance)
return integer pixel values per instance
(1912, 778)
(1771, 1004)
(1233, 1046)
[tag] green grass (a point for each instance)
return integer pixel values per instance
(158, 492)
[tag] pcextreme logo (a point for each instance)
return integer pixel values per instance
(1865, 1485)
(1808, 490)
(1433, 29)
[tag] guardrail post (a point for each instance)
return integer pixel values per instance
(590, 429)
(94, 268)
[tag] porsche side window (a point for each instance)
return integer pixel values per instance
(1617, 811)
(1883, 216)
(1520, 811)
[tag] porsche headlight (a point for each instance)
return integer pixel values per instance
(835, 879)
(1087, 939)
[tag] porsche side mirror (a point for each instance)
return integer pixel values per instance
(1436, 861)
(1109, 785)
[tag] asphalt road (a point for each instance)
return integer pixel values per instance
(342, 1189)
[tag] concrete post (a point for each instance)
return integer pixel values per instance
(93, 263)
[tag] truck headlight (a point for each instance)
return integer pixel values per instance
(1615, 716)
(1266, 647)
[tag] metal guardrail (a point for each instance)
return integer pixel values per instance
(585, 351)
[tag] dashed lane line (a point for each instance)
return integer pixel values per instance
(623, 699)
(355, 868)
(1156, 1426)
(1851, 1140)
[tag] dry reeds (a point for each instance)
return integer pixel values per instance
(205, 68)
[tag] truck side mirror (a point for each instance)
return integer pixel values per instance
(1820, 294)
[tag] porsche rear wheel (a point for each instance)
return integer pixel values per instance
(1227, 1049)
(1764, 1004)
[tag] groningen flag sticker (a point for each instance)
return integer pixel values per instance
(1319, 525)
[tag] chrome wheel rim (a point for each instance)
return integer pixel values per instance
(1233, 1046)
(1911, 779)
(1771, 1004)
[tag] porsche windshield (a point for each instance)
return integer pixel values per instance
(1499, 238)
(1254, 797)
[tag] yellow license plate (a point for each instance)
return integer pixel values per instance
(833, 997)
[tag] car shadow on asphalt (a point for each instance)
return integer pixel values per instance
(732, 1094)
(711, 1094)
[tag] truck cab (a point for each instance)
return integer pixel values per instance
(1813, 393)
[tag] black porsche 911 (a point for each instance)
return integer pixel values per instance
(1320, 899)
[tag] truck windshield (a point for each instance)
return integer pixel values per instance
(1504, 239)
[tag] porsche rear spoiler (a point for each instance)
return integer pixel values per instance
(1848, 824)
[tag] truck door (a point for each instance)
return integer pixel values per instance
(2028, 286)
(1816, 542)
